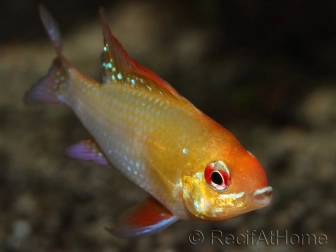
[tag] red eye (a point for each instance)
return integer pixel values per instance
(217, 175)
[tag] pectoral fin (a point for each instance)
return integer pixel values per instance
(147, 217)
(88, 150)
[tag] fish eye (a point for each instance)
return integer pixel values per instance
(217, 175)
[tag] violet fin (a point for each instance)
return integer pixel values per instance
(49, 88)
(88, 150)
(52, 88)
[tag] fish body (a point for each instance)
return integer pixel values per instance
(192, 167)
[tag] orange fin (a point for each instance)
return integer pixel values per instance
(118, 67)
(88, 150)
(147, 217)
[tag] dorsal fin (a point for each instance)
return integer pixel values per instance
(118, 67)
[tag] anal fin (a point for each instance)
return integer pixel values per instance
(147, 217)
(88, 150)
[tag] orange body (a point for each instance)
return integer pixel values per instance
(191, 166)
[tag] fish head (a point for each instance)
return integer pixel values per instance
(229, 183)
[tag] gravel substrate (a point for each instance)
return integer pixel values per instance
(282, 109)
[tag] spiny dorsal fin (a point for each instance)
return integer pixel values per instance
(118, 67)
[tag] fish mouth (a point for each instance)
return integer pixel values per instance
(261, 197)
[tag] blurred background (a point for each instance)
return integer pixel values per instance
(266, 70)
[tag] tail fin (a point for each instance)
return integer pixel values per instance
(51, 88)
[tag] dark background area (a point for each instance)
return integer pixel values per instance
(264, 69)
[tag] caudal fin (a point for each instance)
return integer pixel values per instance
(52, 88)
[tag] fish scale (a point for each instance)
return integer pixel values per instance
(122, 125)
(192, 167)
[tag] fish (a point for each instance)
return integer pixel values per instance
(190, 165)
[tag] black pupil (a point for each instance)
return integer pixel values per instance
(216, 178)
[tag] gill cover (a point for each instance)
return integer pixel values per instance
(207, 194)
(223, 189)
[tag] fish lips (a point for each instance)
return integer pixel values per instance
(227, 205)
